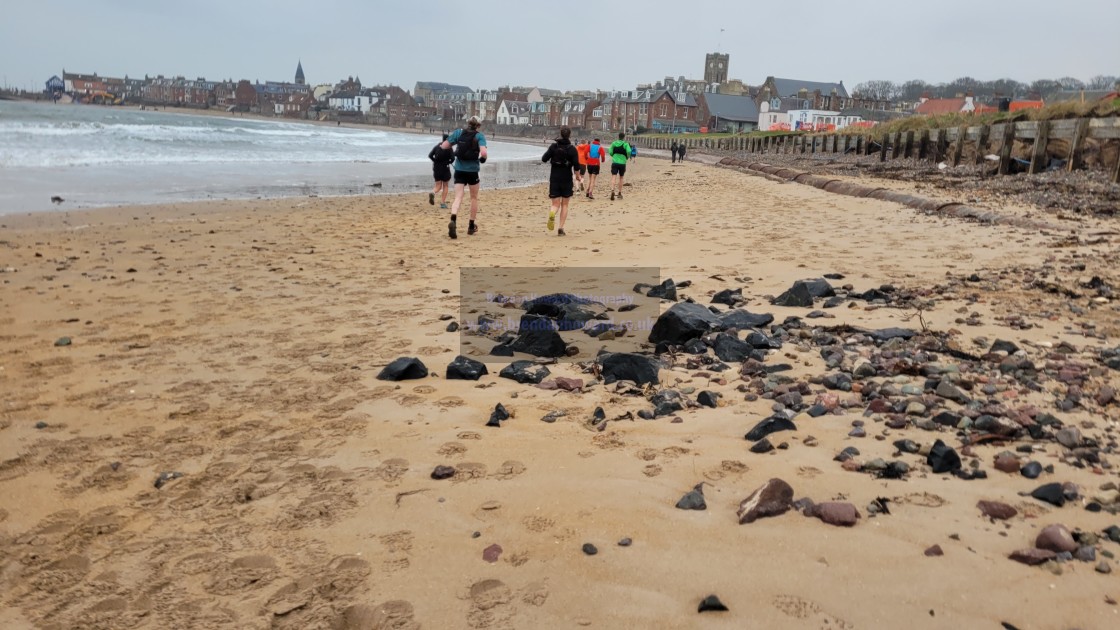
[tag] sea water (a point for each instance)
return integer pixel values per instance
(94, 156)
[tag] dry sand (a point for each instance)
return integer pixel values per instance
(238, 343)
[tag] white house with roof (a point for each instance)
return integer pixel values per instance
(513, 113)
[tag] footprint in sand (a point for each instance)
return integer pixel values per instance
(537, 524)
(452, 449)
(800, 608)
(469, 435)
(509, 470)
(652, 470)
(923, 499)
(490, 604)
(808, 472)
(469, 471)
(243, 574)
(392, 615)
(726, 467)
(391, 470)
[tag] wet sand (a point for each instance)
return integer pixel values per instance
(239, 343)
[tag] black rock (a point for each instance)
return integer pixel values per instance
(667, 290)
(540, 343)
(598, 329)
(819, 288)
(693, 500)
(665, 402)
(589, 549)
(41, 425)
(833, 301)
(625, 542)
(525, 372)
(762, 446)
(683, 321)
(568, 311)
(871, 295)
(846, 454)
(894, 470)
(942, 458)
(501, 350)
(1031, 470)
(907, 446)
(404, 368)
(1050, 493)
(625, 366)
(707, 398)
(740, 319)
(695, 346)
(947, 419)
(886, 334)
(816, 411)
(453, 327)
(773, 424)
(730, 297)
(711, 603)
(599, 414)
(443, 472)
(837, 380)
(1004, 346)
(165, 477)
(730, 348)
(1113, 533)
(797, 295)
(834, 276)
(497, 416)
(466, 369)
(762, 342)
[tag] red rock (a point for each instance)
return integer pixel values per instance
(1056, 538)
(879, 405)
(492, 553)
(550, 384)
(851, 465)
(934, 551)
(569, 384)
(997, 510)
(1007, 463)
(771, 499)
(835, 513)
(1032, 556)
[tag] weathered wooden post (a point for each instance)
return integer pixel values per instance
(909, 150)
(1038, 151)
(982, 143)
(883, 147)
(923, 145)
(962, 133)
(1005, 148)
(1079, 134)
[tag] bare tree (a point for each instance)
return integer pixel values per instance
(1101, 82)
(912, 90)
(1043, 87)
(878, 89)
(1070, 83)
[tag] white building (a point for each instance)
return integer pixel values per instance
(513, 113)
(819, 119)
(351, 102)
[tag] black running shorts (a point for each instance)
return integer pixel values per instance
(467, 178)
(442, 173)
(593, 169)
(618, 169)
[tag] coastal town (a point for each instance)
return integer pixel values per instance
(712, 103)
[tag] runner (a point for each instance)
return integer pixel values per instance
(470, 154)
(565, 160)
(581, 151)
(680, 152)
(441, 169)
(673, 150)
(620, 150)
(595, 154)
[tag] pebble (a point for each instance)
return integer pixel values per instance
(590, 549)
(492, 553)
(1104, 567)
(62, 341)
(1056, 538)
(41, 425)
(996, 510)
(625, 542)
(443, 472)
(711, 603)
(934, 551)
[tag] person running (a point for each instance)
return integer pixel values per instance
(565, 160)
(680, 152)
(673, 150)
(620, 151)
(470, 155)
(634, 153)
(596, 153)
(581, 151)
(441, 169)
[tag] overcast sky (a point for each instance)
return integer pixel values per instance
(565, 44)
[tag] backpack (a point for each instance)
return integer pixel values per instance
(619, 149)
(560, 155)
(466, 148)
(593, 151)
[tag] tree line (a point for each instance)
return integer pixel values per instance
(983, 90)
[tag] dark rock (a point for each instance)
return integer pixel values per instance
(740, 319)
(552, 416)
(497, 416)
(540, 343)
(453, 327)
(443, 472)
(466, 369)
(708, 399)
(1113, 533)
(568, 312)
(762, 342)
(886, 334)
(694, 499)
(590, 549)
(165, 477)
(770, 425)
(907, 446)
(894, 470)
(62, 341)
(626, 366)
(835, 513)
(599, 414)
(711, 603)
(695, 346)
(525, 372)
(41, 425)
(946, 390)
(1069, 437)
(682, 322)
(665, 402)
(501, 350)
(996, 510)
(762, 446)
(730, 297)
(492, 553)
(1004, 346)
(1032, 557)
(857, 432)
(667, 290)
(771, 499)
(404, 368)
(942, 458)
(934, 551)
(730, 348)
(625, 542)
(1086, 553)
(819, 287)
(1006, 462)
(817, 410)
(798, 295)
(1031, 470)
(834, 276)
(1050, 493)
(833, 302)
(846, 454)
(837, 381)
(1056, 538)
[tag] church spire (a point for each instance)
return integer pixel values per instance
(299, 73)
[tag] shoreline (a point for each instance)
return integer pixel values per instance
(212, 447)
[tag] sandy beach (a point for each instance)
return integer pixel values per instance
(233, 348)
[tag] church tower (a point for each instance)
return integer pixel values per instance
(715, 68)
(299, 73)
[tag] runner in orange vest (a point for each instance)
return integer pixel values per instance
(596, 153)
(581, 150)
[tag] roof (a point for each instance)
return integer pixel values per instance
(549, 93)
(436, 86)
(516, 108)
(790, 87)
(1077, 95)
(940, 106)
(732, 108)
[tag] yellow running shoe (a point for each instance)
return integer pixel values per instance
(551, 220)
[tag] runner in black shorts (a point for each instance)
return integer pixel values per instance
(565, 161)
(620, 152)
(441, 170)
(470, 155)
